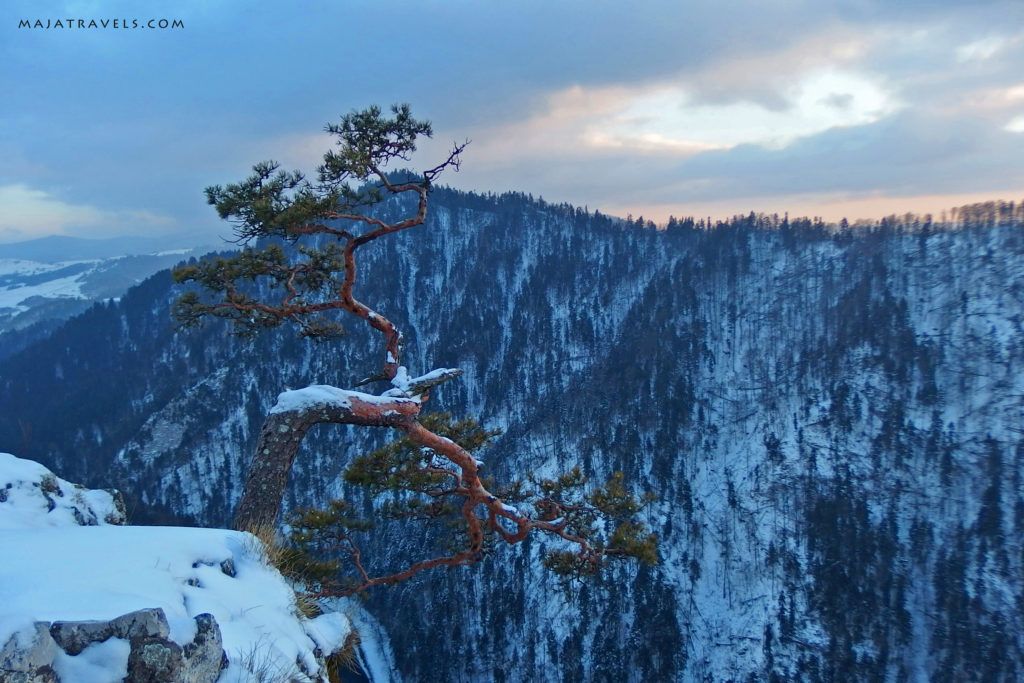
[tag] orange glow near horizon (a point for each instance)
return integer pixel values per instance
(829, 209)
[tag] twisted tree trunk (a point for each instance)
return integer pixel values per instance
(296, 411)
(285, 428)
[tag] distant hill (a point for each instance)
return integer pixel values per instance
(46, 281)
(57, 248)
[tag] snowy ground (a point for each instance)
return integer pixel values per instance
(14, 293)
(65, 560)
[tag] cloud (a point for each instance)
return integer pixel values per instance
(29, 213)
(906, 154)
(871, 106)
(763, 77)
(980, 50)
(588, 142)
(665, 119)
(605, 104)
(858, 171)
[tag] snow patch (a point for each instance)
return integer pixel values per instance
(315, 395)
(99, 663)
(31, 496)
(322, 395)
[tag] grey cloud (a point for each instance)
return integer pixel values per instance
(906, 154)
(838, 101)
(912, 51)
(914, 10)
(125, 121)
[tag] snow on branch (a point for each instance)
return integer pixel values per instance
(416, 386)
(322, 396)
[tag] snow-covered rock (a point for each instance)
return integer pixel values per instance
(85, 599)
(32, 496)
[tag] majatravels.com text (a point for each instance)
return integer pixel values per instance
(101, 23)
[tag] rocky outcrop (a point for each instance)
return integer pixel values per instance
(31, 496)
(28, 655)
(32, 655)
(185, 593)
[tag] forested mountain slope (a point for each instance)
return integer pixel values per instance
(831, 420)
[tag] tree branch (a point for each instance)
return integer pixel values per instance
(283, 431)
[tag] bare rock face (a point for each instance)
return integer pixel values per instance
(141, 624)
(204, 658)
(75, 636)
(153, 660)
(28, 656)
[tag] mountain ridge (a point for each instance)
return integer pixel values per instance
(827, 416)
(57, 248)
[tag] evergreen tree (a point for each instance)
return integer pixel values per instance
(431, 470)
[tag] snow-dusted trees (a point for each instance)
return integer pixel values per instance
(430, 474)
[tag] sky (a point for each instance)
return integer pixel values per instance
(831, 108)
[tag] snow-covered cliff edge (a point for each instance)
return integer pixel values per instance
(85, 599)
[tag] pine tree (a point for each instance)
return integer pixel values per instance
(311, 285)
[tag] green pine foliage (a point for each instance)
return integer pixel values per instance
(272, 205)
(603, 516)
(230, 284)
(413, 484)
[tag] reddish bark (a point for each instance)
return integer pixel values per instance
(283, 432)
(279, 441)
